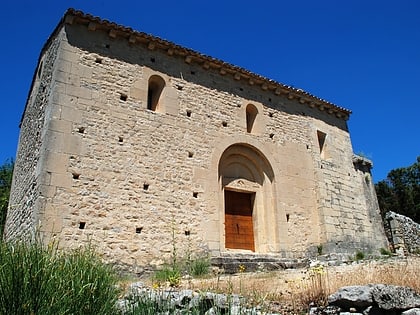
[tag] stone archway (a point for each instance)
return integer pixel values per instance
(247, 190)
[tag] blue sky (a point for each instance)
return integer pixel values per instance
(362, 55)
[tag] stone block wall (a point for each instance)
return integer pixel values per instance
(350, 208)
(141, 183)
(28, 186)
(403, 233)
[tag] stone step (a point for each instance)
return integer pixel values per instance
(234, 263)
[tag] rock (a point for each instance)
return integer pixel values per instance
(173, 301)
(390, 297)
(367, 310)
(328, 310)
(212, 311)
(183, 298)
(357, 296)
(313, 311)
(382, 297)
(136, 287)
(413, 311)
(374, 310)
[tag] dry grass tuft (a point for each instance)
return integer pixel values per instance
(292, 290)
(403, 272)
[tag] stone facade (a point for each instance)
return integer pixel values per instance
(133, 143)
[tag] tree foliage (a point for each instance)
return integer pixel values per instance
(400, 191)
(6, 172)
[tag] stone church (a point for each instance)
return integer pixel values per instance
(138, 145)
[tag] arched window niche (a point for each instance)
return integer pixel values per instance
(155, 87)
(251, 115)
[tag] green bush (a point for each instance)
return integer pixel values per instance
(319, 249)
(170, 274)
(385, 252)
(359, 255)
(199, 267)
(35, 279)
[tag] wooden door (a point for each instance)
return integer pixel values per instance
(239, 230)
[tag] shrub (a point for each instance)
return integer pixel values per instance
(169, 274)
(35, 279)
(359, 255)
(199, 266)
(319, 249)
(385, 252)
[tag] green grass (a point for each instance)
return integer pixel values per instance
(385, 252)
(172, 273)
(35, 279)
(169, 274)
(359, 255)
(199, 267)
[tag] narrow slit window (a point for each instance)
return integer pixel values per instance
(156, 85)
(321, 142)
(251, 115)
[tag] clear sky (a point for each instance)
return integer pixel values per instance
(363, 55)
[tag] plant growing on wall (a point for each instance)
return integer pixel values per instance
(6, 172)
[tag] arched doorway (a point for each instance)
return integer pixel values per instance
(246, 181)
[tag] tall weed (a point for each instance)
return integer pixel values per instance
(35, 279)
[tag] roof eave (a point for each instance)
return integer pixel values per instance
(190, 56)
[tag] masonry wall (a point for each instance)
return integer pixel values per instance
(403, 233)
(140, 183)
(28, 190)
(350, 210)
